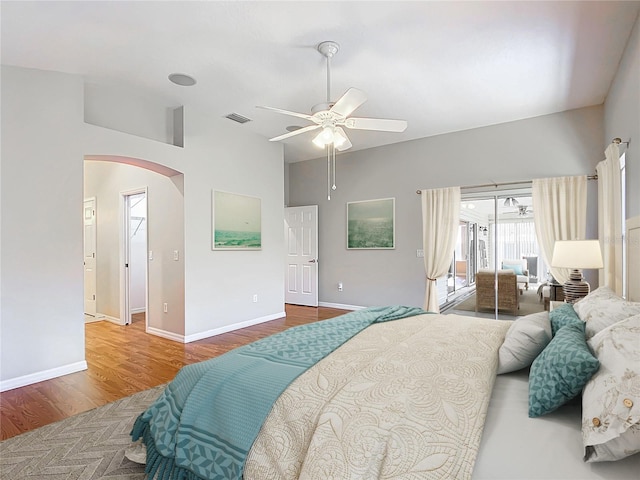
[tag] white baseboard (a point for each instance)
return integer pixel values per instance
(138, 310)
(90, 318)
(42, 376)
(176, 337)
(230, 328)
(110, 319)
(340, 306)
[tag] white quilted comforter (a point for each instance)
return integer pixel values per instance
(404, 399)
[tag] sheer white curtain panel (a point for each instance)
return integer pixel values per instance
(560, 206)
(610, 218)
(440, 219)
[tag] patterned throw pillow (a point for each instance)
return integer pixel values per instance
(562, 315)
(602, 308)
(558, 374)
(611, 399)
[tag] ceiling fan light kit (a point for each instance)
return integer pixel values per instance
(332, 116)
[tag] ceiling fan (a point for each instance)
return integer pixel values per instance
(332, 116)
(523, 211)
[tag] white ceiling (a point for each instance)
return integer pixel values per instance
(442, 66)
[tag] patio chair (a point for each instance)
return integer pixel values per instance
(508, 297)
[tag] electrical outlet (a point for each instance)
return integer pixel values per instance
(255, 298)
(339, 286)
(165, 307)
(420, 253)
(176, 255)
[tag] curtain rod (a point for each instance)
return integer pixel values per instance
(496, 185)
(618, 141)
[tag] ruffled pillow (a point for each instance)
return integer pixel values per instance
(611, 399)
(603, 307)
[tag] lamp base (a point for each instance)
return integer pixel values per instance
(575, 288)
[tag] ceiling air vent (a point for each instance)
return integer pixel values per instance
(236, 117)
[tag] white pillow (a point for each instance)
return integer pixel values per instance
(525, 339)
(611, 398)
(602, 308)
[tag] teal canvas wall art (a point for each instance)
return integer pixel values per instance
(236, 221)
(371, 224)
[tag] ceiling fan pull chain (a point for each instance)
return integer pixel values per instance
(328, 174)
(333, 155)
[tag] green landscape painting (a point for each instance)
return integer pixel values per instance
(236, 222)
(370, 224)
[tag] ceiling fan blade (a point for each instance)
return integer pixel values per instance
(287, 112)
(295, 132)
(383, 124)
(351, 100)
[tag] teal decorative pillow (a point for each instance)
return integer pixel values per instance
(516, 268)
(558, 374)
(562, 315)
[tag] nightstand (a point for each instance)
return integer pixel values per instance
(556, 292)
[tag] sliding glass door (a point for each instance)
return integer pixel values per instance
(497, 246)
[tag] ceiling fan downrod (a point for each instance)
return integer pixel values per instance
(328, 49)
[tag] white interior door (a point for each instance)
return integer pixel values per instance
(133, 275)
(301, 262)
(89, 217)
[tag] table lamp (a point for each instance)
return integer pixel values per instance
(576, 255)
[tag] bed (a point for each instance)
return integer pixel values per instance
(401, 393)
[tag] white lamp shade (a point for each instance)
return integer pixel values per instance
(577, 254)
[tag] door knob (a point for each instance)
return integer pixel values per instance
(313, 260)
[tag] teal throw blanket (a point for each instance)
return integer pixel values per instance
(205, 421)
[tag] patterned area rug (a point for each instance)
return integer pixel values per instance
(87, 446)
(529, 303)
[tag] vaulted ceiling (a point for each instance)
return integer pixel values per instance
(442, 66)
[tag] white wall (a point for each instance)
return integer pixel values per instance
(622, 116)
(42, 274)
(128, 111)
(567, 143)
(44, 141)
(220, 284)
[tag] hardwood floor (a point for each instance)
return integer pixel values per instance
(123, 360)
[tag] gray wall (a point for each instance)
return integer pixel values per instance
(567, 143)
(622, 116)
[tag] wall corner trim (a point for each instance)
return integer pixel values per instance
(42, 376)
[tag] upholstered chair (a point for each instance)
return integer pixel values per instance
(521, 269)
